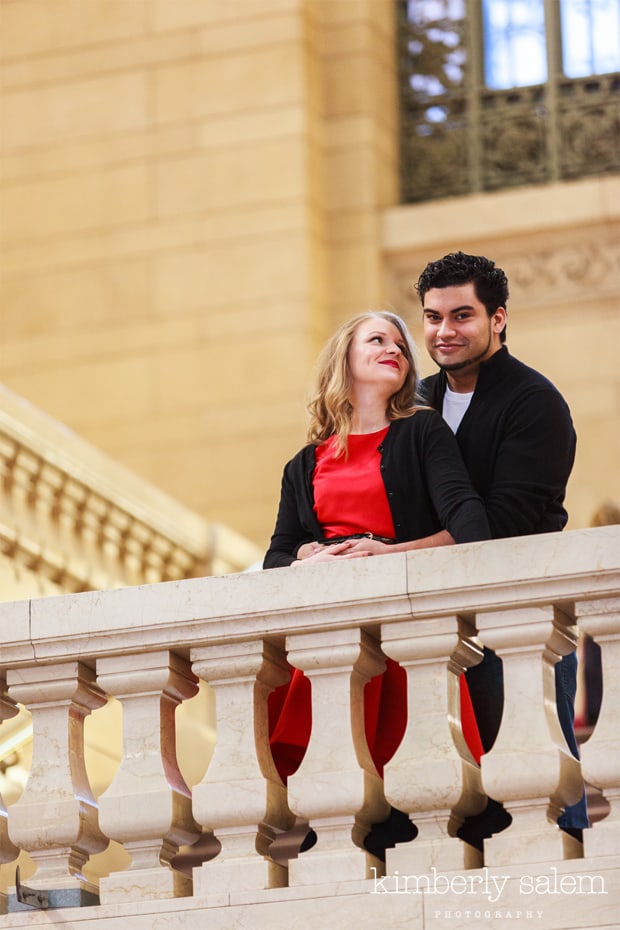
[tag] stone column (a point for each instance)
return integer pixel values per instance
(601, 753)
(336, 787)
(433, 776)
(147, 807)
(241, 797)
(530, 768)
(55, 819)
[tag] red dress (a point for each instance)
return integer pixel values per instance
(350, 498)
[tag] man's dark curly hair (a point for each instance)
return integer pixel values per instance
(490, 283)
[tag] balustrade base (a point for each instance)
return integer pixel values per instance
(602, 839)
(144, 884)
(420, 857)
(553, 896)
(316, 867)
(214, 878)
(548, 843)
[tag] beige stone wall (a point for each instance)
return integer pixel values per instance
(192, 194)
(183, 182)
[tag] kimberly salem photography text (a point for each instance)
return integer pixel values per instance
(486, 886)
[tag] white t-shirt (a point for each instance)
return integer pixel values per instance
(454, 407)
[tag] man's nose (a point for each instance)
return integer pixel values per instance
(446, 327)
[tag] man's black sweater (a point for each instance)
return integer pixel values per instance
(518, 444)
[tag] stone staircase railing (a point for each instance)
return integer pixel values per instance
(72, 519)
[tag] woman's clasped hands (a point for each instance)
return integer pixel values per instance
(312, 552)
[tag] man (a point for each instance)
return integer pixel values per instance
(517, 439)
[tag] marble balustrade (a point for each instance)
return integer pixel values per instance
(146, 648)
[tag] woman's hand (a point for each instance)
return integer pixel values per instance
(370, 546)
(356, 548)
(313, 552)
(308, 549)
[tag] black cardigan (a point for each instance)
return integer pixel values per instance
(426, 483)
(518, 444)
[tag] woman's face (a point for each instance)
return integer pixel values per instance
(377, 356)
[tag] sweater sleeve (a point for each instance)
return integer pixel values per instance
(459, 508)
(289, 533)
(532, 465)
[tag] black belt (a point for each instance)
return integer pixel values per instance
(332, 540)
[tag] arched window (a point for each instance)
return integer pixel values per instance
(501, 93)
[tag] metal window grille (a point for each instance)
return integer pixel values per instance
(459, 135)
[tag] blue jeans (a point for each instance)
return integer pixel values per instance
(486, 686)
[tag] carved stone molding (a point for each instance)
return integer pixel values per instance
(561, 273)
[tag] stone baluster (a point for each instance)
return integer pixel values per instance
(156, 554)
(433, 776)
(19, 492)
(51, 570)
(92, 521)
(55, 820)
(71, 502)
(336, 788)
(601, 753)
(139, 542)
(147, 807)
(241, 798)
(8, 851)
(113, 531)
(132, 554)
(180, 564)
(530, 768)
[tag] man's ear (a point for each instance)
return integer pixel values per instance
(499, 320)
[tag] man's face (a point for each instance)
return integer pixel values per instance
(458, 332)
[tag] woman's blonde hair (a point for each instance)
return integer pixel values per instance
(330, 408)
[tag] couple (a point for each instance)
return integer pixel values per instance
(486, 454)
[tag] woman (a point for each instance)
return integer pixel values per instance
(379, 475)
(375, 462)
